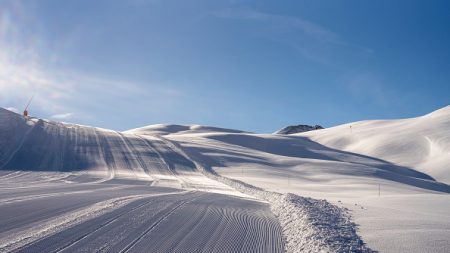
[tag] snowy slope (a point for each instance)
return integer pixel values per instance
(95, 190)
(373, 164)
(421, 143)
(39, 145)
(42, 155)
(165, 129)
(390, 200)
(274, 159)
(397, 209)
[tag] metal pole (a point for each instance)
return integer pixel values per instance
(29, 102)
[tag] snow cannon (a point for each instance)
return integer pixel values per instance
(25, 112)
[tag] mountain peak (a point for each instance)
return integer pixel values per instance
(298, 129)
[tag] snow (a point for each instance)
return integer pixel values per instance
(334, 164)
(165, 129)
(309, 225)
(60, 171)
(13, 241)
(421, 143)
(404, 222)
(342, 189)
(53, 146)
(124, 215)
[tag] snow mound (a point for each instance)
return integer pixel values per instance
(310, 225)
(298, 129)
(421, 143)
(313, 225)
(166, 129)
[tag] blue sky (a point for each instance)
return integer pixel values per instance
(250, 65)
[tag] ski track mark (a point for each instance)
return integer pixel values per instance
(132, 244)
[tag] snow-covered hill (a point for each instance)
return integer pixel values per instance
(31, 144)
(421, 143)
(273, 159)
(374, 165)
(404, 151)
(165, 129)
(369, 168)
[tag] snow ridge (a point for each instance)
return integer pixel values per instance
(313, 225)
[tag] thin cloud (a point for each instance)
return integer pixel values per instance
(310, 39)
(307, 27)
(62, 116)
(26, 60)
(23, 71)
